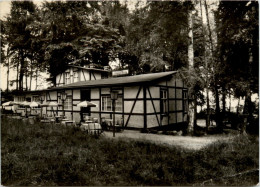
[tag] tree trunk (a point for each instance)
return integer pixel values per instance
(22, 70)
(17, 74)
(207, 69)
(8, 67)
(26, 80)
(229, 101)
(31, 73)
(238, 105)
(224, 101)
(191, 67)
(191, 117)
(208, 110)
(36, 78)
(195, 112)
(217, 112)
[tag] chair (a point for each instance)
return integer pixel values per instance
(88, 119)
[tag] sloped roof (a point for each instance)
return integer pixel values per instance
(128, 80)
(92, 69)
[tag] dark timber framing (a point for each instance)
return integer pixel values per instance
(149, 113)
(159, 124)
(145, 105)
(137, 95)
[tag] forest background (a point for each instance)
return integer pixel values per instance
(213, 44)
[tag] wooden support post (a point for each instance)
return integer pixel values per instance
(145, 108)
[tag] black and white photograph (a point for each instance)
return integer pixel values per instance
(129, 93)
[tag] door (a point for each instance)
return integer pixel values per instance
(84, 96)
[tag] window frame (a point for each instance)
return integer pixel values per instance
(68, 103)
(185, 100)
(67, 78)
(75, 77)
(164, 101)
(118, 108)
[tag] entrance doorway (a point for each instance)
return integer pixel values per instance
(84, 96)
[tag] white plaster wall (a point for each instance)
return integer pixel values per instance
(179, 93)
(76, 117)
(162, 83)
(179, 105)
(138, 108)
(86, 73)
(68, 92)
(75, 108)
(179, 83)
(97, 75)
(150, 108)
(94, 93)
(165, 120)
(131, 92)
(179, 117)
(135, 121)
(171, 82)
(105, 90)
(95, 108)
(76, 94)
(172, 105)
(155, 92)
(68, 115)
(171, 93)
(172, 118)
(185, 117)
(152, 121)
(52, 95)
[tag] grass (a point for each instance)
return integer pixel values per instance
(41, 154)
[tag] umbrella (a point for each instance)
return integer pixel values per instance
(44, 104)
(34, 104)
(25, 103)
(86, 104)
(53, 104)
(9, 103)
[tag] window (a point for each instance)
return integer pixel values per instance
(59, 102)
(68, 103)
(67, 78)
(20, 98)
(119, 103)
(107, 103)
(75, 76)
(164, 103)
(185, 101)
(36, 98)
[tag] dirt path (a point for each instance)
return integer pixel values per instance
(188, 142)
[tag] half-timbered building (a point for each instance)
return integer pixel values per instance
(154, 100)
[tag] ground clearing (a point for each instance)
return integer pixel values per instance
(188, 142)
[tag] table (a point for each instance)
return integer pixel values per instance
(92, 128)
(110, 125)
(58, 118)
(63, 121)
(68, 122)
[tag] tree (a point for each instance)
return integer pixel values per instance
(157, 35)
(18, 37)
(238, 46)
(74, 30)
